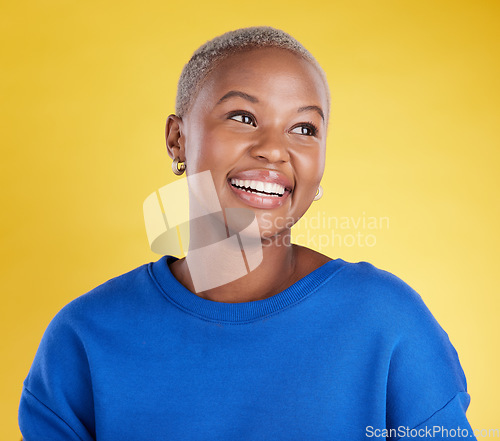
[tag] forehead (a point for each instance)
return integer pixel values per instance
(268, 73)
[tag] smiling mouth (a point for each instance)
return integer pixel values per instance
(259, 187)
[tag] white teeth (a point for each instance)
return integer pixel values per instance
(260, 186)
(268, 187)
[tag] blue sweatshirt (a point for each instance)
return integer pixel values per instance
(349, 352)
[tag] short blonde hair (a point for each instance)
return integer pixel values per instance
(207, 56)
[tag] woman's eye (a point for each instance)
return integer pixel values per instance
(243, 118)
(305, 129)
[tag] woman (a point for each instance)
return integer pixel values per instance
(295, 347)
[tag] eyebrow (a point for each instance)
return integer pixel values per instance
(316, 108)
(243, 95)
(252, 99)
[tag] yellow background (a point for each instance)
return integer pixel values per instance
(85, 90)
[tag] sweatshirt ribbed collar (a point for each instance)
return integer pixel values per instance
(237, 312)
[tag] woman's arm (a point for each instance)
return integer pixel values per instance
(57, 402)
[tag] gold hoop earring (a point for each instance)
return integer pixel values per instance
(178, 167)
(319, 193)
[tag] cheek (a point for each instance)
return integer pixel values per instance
(214, 150)
(310, 164)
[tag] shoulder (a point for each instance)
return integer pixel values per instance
(370, 293)
(368, 285)
(59, 383)
(119, 295)
(383, 302)
(398, 310)
(423, 368)
(92, 319)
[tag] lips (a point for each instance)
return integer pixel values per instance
(261, 188)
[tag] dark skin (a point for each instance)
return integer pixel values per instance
(276, 121)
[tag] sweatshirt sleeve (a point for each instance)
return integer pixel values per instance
(57, 401)
(447, 423)
(426, 386)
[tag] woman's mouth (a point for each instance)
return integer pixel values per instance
(259, 193)
(259, 187)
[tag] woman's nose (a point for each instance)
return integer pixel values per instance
(271, 146)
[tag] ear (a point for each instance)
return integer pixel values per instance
(174, 137)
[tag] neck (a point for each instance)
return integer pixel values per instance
(276, 271)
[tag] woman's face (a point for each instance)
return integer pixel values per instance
(258, 124)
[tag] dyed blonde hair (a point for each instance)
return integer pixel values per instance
(207, 56)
